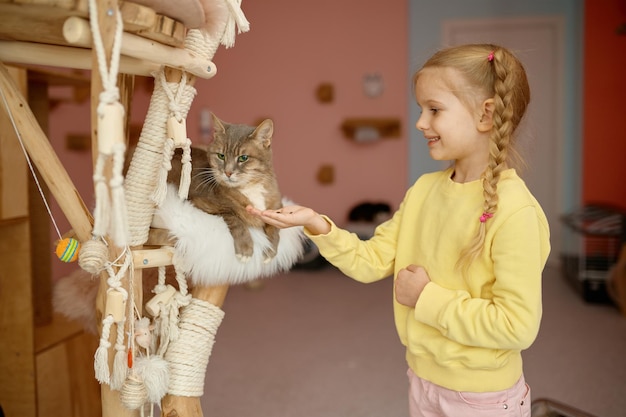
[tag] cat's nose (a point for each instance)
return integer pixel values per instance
(228, 173)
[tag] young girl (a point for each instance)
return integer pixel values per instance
(466, 247)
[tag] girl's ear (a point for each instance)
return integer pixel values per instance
(485, 124)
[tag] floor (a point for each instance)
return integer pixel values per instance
(315, 343)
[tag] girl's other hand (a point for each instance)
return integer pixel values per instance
(409, 284)
(290, 216)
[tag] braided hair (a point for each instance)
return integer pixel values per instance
(490, 71)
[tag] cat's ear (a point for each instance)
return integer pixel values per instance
(264, 132)
(218, 125)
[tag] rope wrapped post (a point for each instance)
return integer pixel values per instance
(176, 403)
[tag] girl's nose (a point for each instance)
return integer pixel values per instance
(421, 123)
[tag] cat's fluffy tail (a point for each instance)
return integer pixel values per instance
(74, 296)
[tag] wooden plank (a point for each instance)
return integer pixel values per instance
(44, 24)
(17, 360)
(166, 31)
(137, 17)
(65, 379)
(58, 330)
(84, 387)
(13, 167)
(53, 383)
(64, 4)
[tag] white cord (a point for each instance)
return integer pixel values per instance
(30, 165)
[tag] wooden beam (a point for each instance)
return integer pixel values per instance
(28, 53)
(45, 159)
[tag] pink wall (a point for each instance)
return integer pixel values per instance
(273, 71)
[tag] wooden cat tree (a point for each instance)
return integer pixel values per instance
(173, 42)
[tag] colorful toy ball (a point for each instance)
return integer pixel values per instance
(67, 249)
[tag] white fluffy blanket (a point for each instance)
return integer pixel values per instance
(205, 250)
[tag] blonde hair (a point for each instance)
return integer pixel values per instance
(490, 71)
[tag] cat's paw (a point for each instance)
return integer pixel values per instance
(268, 255)
(244, 259)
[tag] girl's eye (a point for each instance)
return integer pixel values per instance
(242, 158)
(220, 156)
(434, 110)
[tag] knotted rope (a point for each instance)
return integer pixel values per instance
(116, 298)
(110, 212)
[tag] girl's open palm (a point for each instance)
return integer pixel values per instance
(290, 216)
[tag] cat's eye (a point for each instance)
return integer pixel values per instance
(220, 156)
(242, 158)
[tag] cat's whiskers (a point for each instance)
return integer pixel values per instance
(206, 179)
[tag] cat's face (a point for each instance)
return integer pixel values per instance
(240, 155)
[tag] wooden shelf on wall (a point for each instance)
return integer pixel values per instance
(369, 129)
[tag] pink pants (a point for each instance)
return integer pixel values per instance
(429, 400)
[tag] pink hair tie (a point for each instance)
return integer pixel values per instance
(485, 216)
(490, 56)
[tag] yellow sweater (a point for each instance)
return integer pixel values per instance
(463, 334)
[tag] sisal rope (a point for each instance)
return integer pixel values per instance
(198, 324)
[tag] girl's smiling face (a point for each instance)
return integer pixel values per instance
(452, 127)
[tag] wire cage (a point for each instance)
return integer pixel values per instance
(591, 246)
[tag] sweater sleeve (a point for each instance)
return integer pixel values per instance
(510, 318)
(363, 260)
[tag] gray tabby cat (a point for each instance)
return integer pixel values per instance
(235, 170)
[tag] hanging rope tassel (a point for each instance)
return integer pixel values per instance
(185, 175)
(101, 358)
(101, 210)
(166, 165)
(236, 22)
(120, 362)
(119, 221)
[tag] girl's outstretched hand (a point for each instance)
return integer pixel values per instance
(290, 216)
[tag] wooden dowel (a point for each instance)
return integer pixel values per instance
(65, 56)
(77, 32)
(45, 159)
(152, 258)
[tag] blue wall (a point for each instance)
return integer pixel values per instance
(424, 38)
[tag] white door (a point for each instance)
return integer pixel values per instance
(538, 42)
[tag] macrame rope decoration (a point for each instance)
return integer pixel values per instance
(110, 212)
(176, 130)
(114, 313)
(165, 308)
